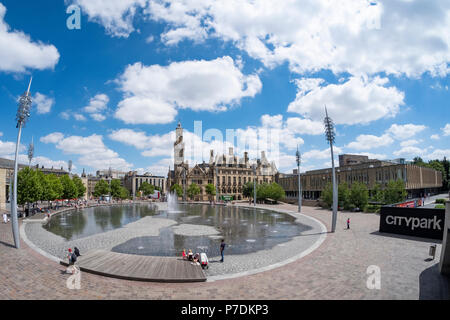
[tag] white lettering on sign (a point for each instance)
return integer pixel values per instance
(415, 223)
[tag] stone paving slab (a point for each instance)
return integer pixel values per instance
(336, 270)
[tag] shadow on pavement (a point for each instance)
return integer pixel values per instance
(7, 244)
(433, 285)
(404, 237)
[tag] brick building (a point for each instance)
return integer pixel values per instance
(418, 180)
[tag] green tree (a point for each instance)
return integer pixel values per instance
(377, 193)
(29, 189)
(193, 190)
(101, 188)
(70, 190)
(359, 195)
(177, 189)
(210, 190)
(262, 191)
(116, 188)
(79, 185)
(147, 188)
(124, 193)
(344, 196)
(247, 190)
(276, 192)
(327, 195)
(395, 192)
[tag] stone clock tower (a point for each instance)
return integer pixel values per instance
(178, 146)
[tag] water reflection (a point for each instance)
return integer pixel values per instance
(244, 229)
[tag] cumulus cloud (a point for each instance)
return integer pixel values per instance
(91, 150)
(97, 107)
(410, 151)
(358, 100)
(43, 103)
(153, 94)
(402, 132)
(116, 16)
(446, 130)
(367, 142)
(19, 53)
(395, 36)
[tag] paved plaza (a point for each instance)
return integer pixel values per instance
(337, 269)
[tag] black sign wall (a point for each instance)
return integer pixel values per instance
(417, 222)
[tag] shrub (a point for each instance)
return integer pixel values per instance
(439, 206)
(372, 208)
(442, 201)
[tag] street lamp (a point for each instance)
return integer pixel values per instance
(330, 135)
(23, 113)
(299, 160)
(254, 184)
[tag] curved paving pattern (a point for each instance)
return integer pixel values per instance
(335, 270)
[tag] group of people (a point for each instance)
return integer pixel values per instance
(73, 255)
(190, 256)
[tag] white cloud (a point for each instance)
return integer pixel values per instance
(410, 151)
(97, 107)
(409, 143)
(152, 94)
(316, 154)
(65, 115)
(435, 137)
(359, 100)
(19, 53)
(52, 138)
(437, 154)
(79, 117)
(402, 132)
(446, 130)
(8, 149)
(92, 151)
(44, 104)
(305, 126)
(116, 16)
(367, 142)
(97, 104)
(395, 36)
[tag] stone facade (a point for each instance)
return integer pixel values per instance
(133, 181)
(228, 173)
(418, 180)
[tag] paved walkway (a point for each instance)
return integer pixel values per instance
(336, 270)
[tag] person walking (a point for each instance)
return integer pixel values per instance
(222, 249)
(348, 223)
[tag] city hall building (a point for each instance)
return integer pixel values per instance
(227, 172)
(418, 180)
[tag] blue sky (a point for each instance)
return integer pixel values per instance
(111, 93)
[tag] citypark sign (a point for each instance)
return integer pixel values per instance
(417, 222)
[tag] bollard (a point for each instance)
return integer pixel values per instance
(432, 251)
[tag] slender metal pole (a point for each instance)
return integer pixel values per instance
(330, 134)
(335, 192)
(14, 218)
(300, 197)
(254, 186)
